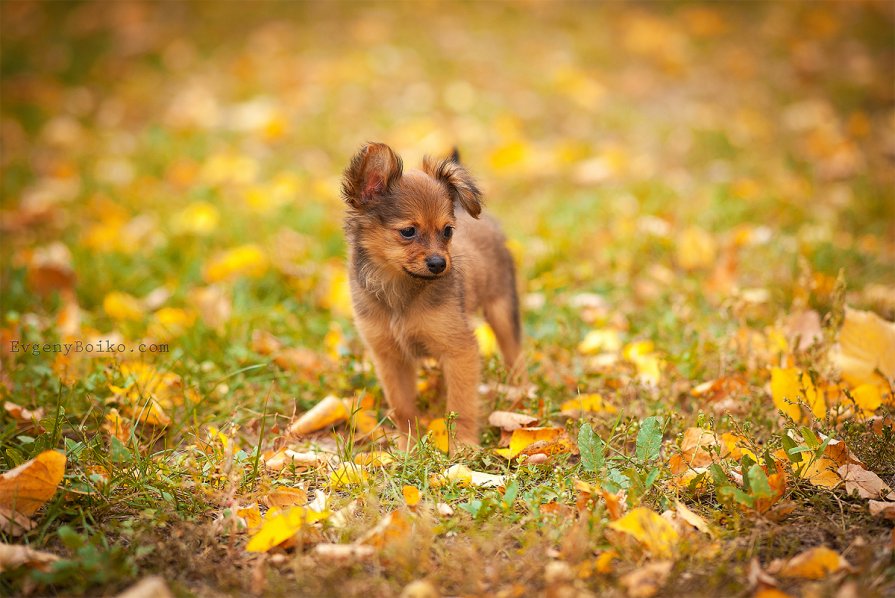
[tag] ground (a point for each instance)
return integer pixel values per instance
(699, 198)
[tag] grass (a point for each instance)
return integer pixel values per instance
(149, 140)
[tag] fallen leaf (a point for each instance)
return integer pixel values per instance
(866, 344)
(509, 421)
(789, 387)
(397, 525)
(15, 524)
(123, 307)
(279, 527)
(556, 440)
(411, 495)
(814, 563)
(463, 476)
(22, 415)
(438, 432)
(153, 586)
(329, 411)
(13, 556)
(600, 341)
(587, 403)
(866, 483)
(374, 459)
(347, 474)
(646, 580)
(27, 487)
(880, 508)
(251, 515)
(344, 552)
(692, 518)
(653, 532)
(286, 497)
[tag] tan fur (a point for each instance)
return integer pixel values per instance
(403, 310)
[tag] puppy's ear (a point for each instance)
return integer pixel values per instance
(458, 181)
(372, 172)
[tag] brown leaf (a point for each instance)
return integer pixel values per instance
(866, 483)
(646, 581)
(13, 556)
(509, 421)
(149, 587)
(881, 508)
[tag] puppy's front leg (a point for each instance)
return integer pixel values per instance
(461, 374)
(397, 375)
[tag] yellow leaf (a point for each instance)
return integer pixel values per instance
(510, 156)
(868, 398)
(27, 487)
(281, 526)
(484, 335)
(330, 410)
(592, 403)
(463, 476)
(734, 446)
(121, 306)
(637, 349)
(246, 260)
(599, 341)
(438, 432)
(252, 516)
(656, 534)
(347, 474)
(523, 438)
(790, 386)
(820, 472)
(866, 344)
(815, 563)
(374, 459)
(411, 495)
(696, 248)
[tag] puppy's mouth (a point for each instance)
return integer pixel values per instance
(422, 276)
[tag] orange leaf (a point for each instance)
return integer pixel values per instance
(27, 487)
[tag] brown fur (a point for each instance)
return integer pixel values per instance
(403, 310)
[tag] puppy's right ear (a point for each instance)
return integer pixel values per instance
(372, 172)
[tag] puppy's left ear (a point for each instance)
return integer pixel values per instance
(458, 181)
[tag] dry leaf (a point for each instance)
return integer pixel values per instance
(866, 483)
(251, 515)
(15, 524)
(815, 563)
(866, 344)
(790, 387)
(344, 552)
(588, 403)
(374, 459)
(463, 476)
(347, 474)
(278, 527)
(654, 533)
(149, 587)
(329, 411)
(555, 440)
(13, 556)
(397, 525)
(880, 508)
(286, 497)
(647, 580)
(509, 421)
(27, 487)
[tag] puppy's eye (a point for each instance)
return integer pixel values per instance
(408, 233)
(448, 231)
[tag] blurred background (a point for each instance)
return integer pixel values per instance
(171, 170)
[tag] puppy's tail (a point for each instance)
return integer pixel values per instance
(455, 155)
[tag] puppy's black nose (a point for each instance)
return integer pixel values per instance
(436, 264)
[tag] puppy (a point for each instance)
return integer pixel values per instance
(420, 262)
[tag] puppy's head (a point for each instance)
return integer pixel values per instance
(404, 221)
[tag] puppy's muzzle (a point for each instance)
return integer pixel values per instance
(436, 264)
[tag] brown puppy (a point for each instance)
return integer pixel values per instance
(419, 266)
